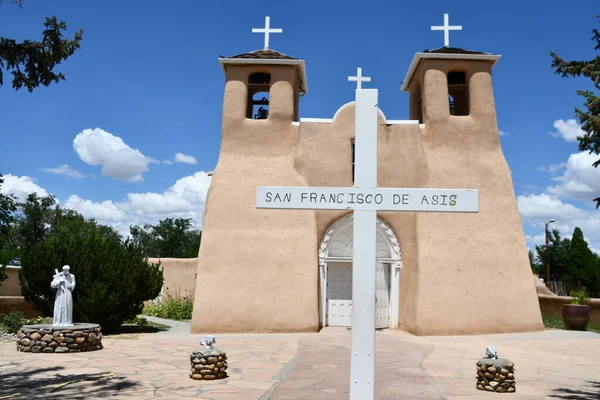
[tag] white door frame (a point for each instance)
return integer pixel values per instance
(393, 307)
(392, 259)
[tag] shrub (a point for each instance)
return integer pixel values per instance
(112, 277)
(171, 307)
(13, 321)
(580, 297)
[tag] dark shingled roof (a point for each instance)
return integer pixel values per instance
(265, 54)
(454, 50)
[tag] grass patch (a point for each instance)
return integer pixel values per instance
(558, 323)
(176, 308)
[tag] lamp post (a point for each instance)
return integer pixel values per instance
(548, 253)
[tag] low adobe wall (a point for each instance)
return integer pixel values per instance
(11, 285)
(7, 303)
(551, 306)
(10, 294)
(179, 275)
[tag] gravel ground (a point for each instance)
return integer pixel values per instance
(6, 337)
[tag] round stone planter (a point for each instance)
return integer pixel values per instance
(45, 338)
(576, 316)
(208, 364)
(496, 375)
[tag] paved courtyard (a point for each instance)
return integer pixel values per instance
(548, 365)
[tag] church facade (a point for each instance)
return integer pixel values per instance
(265, 270)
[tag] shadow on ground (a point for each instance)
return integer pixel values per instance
(591, 391)
(47, 383)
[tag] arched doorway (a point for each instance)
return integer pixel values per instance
(335, 274)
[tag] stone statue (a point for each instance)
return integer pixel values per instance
(491, 352)
(208, 342)
(64, 283)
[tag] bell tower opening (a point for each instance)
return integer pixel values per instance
(458, 93)
(259, 85)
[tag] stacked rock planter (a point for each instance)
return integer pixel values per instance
(46, 338)
(208, 364)
(496, 375)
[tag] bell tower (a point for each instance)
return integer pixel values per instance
(244, 249)
(451, 95)
(262, 85)
(450, 82)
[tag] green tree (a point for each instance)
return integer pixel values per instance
(536, 267)
(7, 210)
(113, 278)
(36, 217)
(559, 255)
(590, 118)
(169, 238)
(32, 63)
(583, 263)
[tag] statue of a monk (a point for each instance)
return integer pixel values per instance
(64, 283)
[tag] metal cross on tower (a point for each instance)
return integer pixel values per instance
(267, 30)
(359, 79)
(447, 28)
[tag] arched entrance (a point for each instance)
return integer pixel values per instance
(335, 274)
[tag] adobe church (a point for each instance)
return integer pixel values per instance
(265, 270)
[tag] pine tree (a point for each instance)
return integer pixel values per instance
(559, 255)
(113, 279)
(583, 265)
(169, 238)
(32, 63)
(589, 119)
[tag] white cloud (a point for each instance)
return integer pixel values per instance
(118, 160)
(580, 180)
(183, 158)
(544, 207)
(65, 170)
(503, 133)
(537, 210)
(554, 168)
(21, 186)
(569, 130)
(185, 199)
(168, 162)
(103, 211)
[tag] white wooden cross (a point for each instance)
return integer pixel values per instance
(267, 30)
(447, 28)
(365, 199)
(359, 79)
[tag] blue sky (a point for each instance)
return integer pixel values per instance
(146, 85)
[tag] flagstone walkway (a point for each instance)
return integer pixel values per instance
(550, 364)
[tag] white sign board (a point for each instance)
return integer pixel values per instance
(381, 199)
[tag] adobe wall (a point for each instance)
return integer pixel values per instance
(8, 303)
(551, 306)
(256, 267)
(324, 157)
(179, 275)
(473, 272)
(462, 272)
(11, 285)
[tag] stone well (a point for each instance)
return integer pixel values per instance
(496, 375)
(208, 364)
(46, 338)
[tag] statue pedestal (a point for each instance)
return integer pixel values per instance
(48, 338)
(496, 375)
(208, 364)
